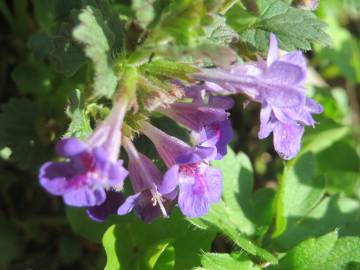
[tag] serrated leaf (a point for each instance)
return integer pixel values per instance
(310, 254)
(66, 57)
(324, 253)
(97, 48)
(294, 28)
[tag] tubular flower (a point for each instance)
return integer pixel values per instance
(206, 117)
(199, 184)
(92, 169)
(151, 198)
(278, 85)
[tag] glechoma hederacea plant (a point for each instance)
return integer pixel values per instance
(182, 133)
(93, 169)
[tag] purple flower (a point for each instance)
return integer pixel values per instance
(199, 184)
(108, 207)
(278, 85)
(208, 120)
(217, 135)
(91, 169)
(151, 199)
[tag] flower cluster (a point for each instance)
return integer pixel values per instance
(92, 175)
(278, 85)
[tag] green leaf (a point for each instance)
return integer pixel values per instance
(67, 56)
(324, 253)
(344, 254)
(310, 254)
(300, 190)
(97, 48)
(48, 12)
(80, 124)
(129, 243)
(294, 28)
(234, 215)
(218, 261)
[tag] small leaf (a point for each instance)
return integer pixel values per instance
(294, 28)
(90, 33)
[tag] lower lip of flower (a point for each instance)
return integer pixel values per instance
(193, 172)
